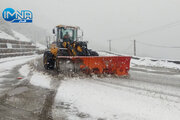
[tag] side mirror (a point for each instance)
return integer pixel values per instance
(82, 33)
(53, 31)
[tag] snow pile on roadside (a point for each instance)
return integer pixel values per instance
(158, 63)
(39, 79)
(13, 58)
(24, 70)
(112, 102)
(146, 61)
(6, 36)
(102, 53)
(7, 64)
(11, 62)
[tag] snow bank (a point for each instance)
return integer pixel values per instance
(102, 53)
(24, 70)
(4, 35)
(146, 61)
(158, 63)
(39, 79)
(107, 102)
(9, 63)
(11, 58)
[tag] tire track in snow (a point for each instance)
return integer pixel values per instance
(141, 91)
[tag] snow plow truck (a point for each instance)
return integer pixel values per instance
(69, 53)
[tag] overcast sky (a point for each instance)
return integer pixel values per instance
(119, 20)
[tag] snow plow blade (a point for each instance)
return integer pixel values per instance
(118, 65)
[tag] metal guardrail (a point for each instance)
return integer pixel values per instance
(138, 58)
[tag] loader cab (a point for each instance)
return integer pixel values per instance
(61, 32)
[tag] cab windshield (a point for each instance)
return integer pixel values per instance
(68, 34)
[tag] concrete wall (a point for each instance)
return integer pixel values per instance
(11, 48)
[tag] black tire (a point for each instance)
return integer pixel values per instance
(48, 60)
(93, 53)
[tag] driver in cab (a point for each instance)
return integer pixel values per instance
(66, 40)
(66, 37)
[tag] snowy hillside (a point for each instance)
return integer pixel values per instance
(17, 36)
(4, 35)
(17, 44)
(20, 37)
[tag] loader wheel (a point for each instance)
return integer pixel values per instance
(48, 60)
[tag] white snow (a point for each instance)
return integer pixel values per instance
(12, 58)
(39, 79)
(146, 61)
(20, 36)
(9, 63)
(158, 63)
(9, 45)
(19, 53)
(24, 70)
(114, 102)
(4, 73)
(40, 46)
(6, 36)
(102, 53)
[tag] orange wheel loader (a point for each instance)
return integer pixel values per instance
(69, 53)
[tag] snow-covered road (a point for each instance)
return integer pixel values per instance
(19, 99)
(148, 94)
(8, 64)
(152, 92)
(139, 98)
